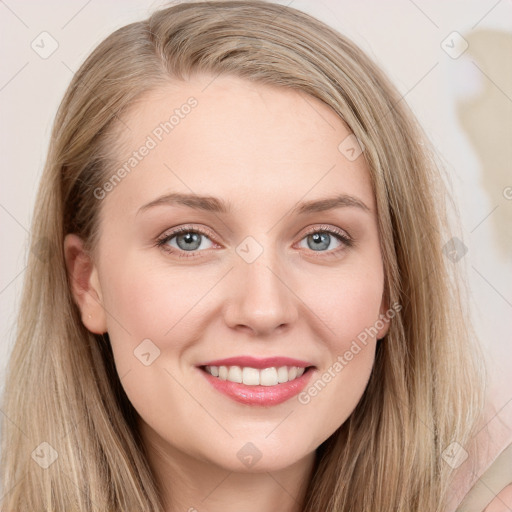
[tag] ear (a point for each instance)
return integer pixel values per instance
(384, 317)
(85, 285)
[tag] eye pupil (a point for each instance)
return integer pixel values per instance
(321, 241)
(189, 239)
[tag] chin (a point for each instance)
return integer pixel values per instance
(257, 456)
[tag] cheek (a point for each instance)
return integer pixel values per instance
(147, 312)
(348, 302)
(150, 315)
(338, 385)
(148, 300)
(350, 314)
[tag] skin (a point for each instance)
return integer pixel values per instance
(263, 149)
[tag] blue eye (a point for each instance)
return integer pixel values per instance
(187, 241)
(321, 240)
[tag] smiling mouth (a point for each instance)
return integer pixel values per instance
(249, 376)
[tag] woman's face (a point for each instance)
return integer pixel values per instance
(247, 278)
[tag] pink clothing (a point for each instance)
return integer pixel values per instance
(492, 439)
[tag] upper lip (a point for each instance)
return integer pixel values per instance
(253, 362)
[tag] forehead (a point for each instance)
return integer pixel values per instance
(227, 136)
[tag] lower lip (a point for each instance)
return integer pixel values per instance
(260, 395)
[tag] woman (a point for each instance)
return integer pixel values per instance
(242, 298)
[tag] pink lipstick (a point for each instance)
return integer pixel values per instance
(253, 381)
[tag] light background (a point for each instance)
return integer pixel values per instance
(464, 105)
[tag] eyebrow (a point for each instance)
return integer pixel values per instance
(216, 205)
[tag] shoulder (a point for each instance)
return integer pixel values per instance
(493, 490)
(502, 502)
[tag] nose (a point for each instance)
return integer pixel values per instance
(261, 300)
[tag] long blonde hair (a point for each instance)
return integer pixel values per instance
(62, 386)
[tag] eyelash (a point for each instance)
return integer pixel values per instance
(162, 241)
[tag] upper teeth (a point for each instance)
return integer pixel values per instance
(253, 376)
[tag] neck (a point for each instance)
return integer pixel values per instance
(191, 484)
